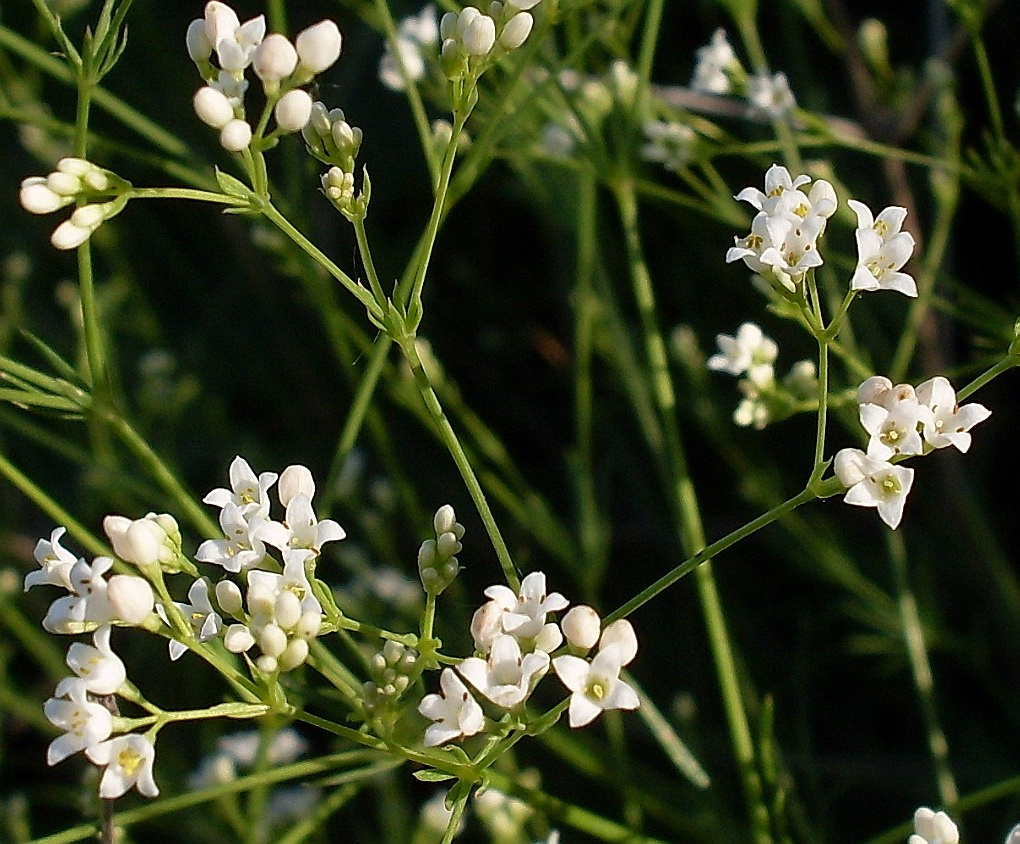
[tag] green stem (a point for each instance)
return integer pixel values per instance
(366, 258)
(920, 669)
(188, 193)
(449, 438)
(692, 535)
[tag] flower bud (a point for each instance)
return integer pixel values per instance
(620, 632)
(228, 596)
(95, 179)
(130, 598)
(444, 519)
(89, 216)
(293, 655)
(479, 36)
(318, 47)
(65, 184)
(295, 480)
(140, 541)
(37, 197)
(582, 626)
(293, 110)
(516, 31)
(275, 59)
(238, 639)
(272, 640)
(486, 625)
(308, 625)
(75, 166)
(287, 609)
(213, 107)
(235, 136)
(69, 236)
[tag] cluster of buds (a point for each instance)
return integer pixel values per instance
(901, 421)
(471, 38)
(332, 140)
(99, 194)
(515, 645)
(281, 66)
(752, 355)
(392, 670)
(437, 561)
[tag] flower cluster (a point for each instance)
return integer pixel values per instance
(472, 39)
(279, 613)
(99, 194)
(514, 645)
(718, 71)
(782, 245)
(281, 66)
(901, 421)
(751, 354)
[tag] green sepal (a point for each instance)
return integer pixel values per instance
(232, 186)
(432, 775)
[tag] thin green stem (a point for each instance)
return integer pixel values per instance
(691, 530)
(188, 193)
(358, 222)
(920, 669)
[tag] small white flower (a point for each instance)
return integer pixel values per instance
(242, 548)
(248, 491)
(130, 597)
(274, 60)
(581, 625)
(143, 542)
(37, 197)
(98, 667)
(524, 614)
(944, 422)
(880, 390)
(670, 143)
(455, 713)
(882, 249)
(301, 528)
(506, 677)
(318, 46)
(201, 615)
(595, 686)
(84, 722)
(771, 94)
(933, 828)
(235, 136)
(892, 431)
(713, 60)
(749, 351)
(874, 483)
(87, 606)
(128, 760)
(56, 563)
(296, 479)
(415, 35)
(213, 107)
(293, 110)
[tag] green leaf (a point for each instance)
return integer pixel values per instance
(232, 187)
(432, 775)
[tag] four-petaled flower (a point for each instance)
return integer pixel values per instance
(874, 483)
(595, 686)
(455, 713)
(128, 760)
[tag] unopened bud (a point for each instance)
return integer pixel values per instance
(130, 598)
(582, 625)
(318, 47)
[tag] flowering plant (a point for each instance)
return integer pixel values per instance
(307, 642)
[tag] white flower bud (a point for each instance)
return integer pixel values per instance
(267, 664)
(318, 47)
(444, 519)
(287, 609)
(75, 166)
(295, 480)
(228, 596)
(319, 120)
(96, 179)
(516, 31)
(294, 655)
(308, 625)
(549, 638)
(69, 236)
(447, 544)
(37, 198)
(199, 47)
(486, 625)
(220, 22)
(238, 639)
(582, 626)
(130, 598)
(213, 107)
(272, 640)
(235, 136)
(448, 25)
(89, 216)
(293, 110)
(620, 632)
(479, 36)
(66, 184)
(275, 59)
(139, 541)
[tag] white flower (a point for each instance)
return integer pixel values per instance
(581, 625)
(415, 34)
(944, 422)
(318, 46)
(713, 59)
(595, 686)
(143, 542)
(506, 677)
(893, 431)
(242, 548)
(455, 713)
(771, 94)
(56, 563)
(1013, 836)
(85, 723)
(933, 828)
(233, 41)
(749, 351)
(128, 760)
(100, 670)
(874, 483)
(201, 615)
(301, 528)
(248, 492)
(880, 390)
(882, 249)
(87, 606)
(523, 615)
(296, 480)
